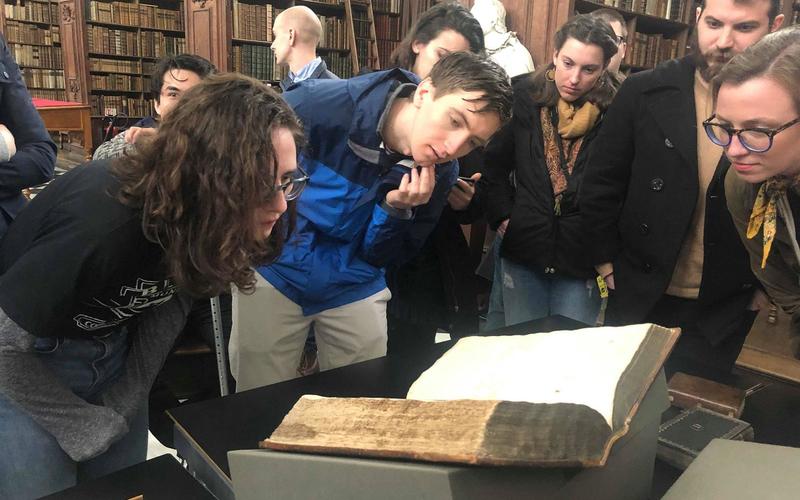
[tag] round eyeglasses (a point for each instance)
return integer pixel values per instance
(755, 140)
(294, 185)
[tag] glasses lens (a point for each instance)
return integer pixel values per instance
(295, 187)
(755, 140)
(717, 134)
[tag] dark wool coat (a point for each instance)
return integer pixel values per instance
(640, 192)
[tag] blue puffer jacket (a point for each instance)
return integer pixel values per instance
(344, 237)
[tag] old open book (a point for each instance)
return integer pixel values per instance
(547, 399)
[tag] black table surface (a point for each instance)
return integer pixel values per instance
(240, 421)
(156, 479)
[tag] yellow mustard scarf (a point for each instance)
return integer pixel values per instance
(575, 122)
(765, 212)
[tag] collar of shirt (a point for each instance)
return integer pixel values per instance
(306, 72)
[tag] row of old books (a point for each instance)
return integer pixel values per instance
(112, 41)
(668, 9)
(257, 61)
(36, 56)
(137, 15)
(649, 50)
(361, 28)
(157, 44)
(339, 63)
(52, 94)
(110, 105)
(334, 33)
(387, 29)
(115, 66)
(17, 32)
(385, 49)
(253, 21)
(386, 5)
(43, 78)
(117, 82)
(39, 12)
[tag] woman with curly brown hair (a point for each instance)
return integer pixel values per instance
(99, 271)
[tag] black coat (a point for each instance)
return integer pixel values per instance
(536, 237)
(36, 153)
(639, 195)
(321, 73)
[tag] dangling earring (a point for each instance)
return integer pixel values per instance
(550, 75)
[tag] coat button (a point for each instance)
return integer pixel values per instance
(668, 144)
(657, 184)
(644, 228)
(648, 268)
(5, 74)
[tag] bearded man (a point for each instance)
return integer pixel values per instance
(653, 200)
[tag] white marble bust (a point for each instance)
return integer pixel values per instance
(502, 46)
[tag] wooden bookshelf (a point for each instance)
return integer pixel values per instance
(388, 24)
(236, 34)
(110, 49)
(33, 35)
(658, 30)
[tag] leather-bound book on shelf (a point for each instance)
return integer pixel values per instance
(688, 391)
(547, 399)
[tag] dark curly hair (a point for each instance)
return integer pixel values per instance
(440, 17)
(200, 180)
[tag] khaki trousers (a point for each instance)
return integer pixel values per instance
(269, 332)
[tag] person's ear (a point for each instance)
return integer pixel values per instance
(417, 46)
(292, 37)
(425, 90)
(157, 106)
(777, 22)
(555, 58)
(697, 15)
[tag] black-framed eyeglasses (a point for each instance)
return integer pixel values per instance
(620, 39)
(755, 140)
(294, 185)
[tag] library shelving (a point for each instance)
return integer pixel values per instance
(236, 34)
(387, 27)
(110, 48)
(658, 30)
(32, 31)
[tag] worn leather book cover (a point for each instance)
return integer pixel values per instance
(547, 399)
(682, 438)
(688, 391)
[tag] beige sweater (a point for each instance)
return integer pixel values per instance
(688, 270)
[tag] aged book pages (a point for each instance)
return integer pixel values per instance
(546, 399)
(578, 366)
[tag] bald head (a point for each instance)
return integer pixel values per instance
(304, 23)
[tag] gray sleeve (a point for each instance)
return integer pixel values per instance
(157, 330)
(112, 148)
(83, 430)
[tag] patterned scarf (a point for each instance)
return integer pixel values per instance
(573, 123)
(765, 211)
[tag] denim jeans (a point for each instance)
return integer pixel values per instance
(32, 464)
(495, 316)
(529, 294)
